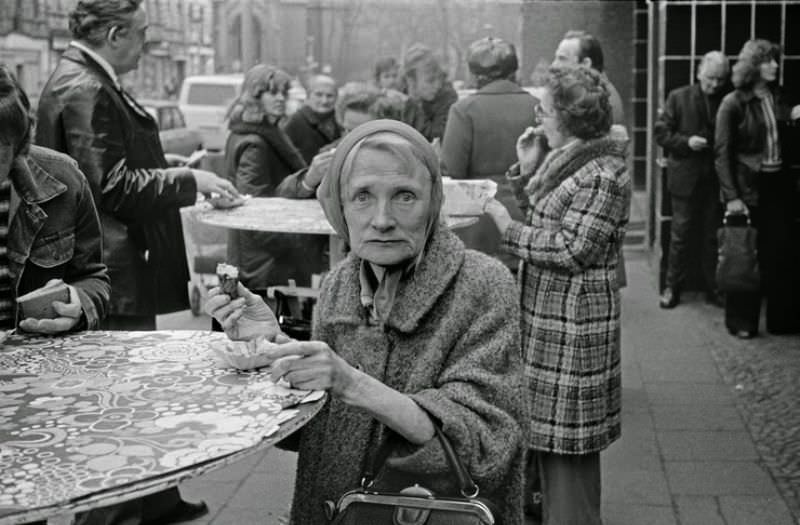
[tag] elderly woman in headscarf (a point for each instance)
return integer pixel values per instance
(411, 330)
(578, 203)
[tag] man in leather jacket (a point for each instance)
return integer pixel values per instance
(84, 112)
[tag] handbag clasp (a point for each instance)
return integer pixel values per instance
(411, 516)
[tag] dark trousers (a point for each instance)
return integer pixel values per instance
(777, 260)
(570, 487)
(699, 212)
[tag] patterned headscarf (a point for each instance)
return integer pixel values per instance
(330, 194)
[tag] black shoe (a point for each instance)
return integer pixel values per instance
(715, 298)
(184, 511)
(669, 298)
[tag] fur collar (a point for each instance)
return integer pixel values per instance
(554, 171)
(417, 293)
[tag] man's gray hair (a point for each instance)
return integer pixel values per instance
(714, 58)
(91, 20)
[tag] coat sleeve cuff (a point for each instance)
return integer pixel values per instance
(513, 235)
(92, 319)
(429, 456)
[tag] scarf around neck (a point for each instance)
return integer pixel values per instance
(562, 163)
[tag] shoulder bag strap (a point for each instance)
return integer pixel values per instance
(376, 461)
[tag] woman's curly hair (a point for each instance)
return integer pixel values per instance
(581, 100)
(754, 53)
(16, 118)
(259, 79)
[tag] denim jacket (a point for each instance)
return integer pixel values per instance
(54, 231)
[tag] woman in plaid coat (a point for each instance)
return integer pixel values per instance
(578, 203)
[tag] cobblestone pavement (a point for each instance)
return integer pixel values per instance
(765, 374)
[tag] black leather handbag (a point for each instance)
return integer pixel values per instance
(737, 258)
(414, 505)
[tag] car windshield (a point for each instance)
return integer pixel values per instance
(211, 94)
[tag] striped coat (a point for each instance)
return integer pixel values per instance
(570, 296)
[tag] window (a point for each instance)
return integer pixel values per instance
(210, 95)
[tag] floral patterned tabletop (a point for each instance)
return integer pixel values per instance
(100, 417)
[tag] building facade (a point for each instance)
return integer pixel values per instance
(34, 33)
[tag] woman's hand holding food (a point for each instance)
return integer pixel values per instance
(248, 355)
(244, 318)
(313, 365)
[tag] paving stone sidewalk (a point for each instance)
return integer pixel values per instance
(711, 428)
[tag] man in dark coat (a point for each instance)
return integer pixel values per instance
(84, 112)
(481, 134)
(430, 94)
(314, 125)
(685, 129)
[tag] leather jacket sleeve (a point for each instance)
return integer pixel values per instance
(86, 271)
(94, 136)
(727, 121)
(666, 127)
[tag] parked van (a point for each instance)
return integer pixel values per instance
(204, 101)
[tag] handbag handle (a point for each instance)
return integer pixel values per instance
(466, 486)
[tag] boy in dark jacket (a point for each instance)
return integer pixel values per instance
(53, 232)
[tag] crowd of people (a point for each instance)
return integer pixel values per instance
(728, 154)
(506, 335)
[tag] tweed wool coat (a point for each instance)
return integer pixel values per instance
(451, 343)
(570, 297)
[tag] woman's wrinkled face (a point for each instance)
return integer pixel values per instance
(274, 102)
(768, 70)
(547, 115)
(386, 207)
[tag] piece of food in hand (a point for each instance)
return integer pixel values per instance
(247, 355)
(467, 196)
(221, 202)
(38, 304)
(228, 275)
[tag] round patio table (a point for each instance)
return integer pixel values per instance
(98, 418)
(280, 215)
